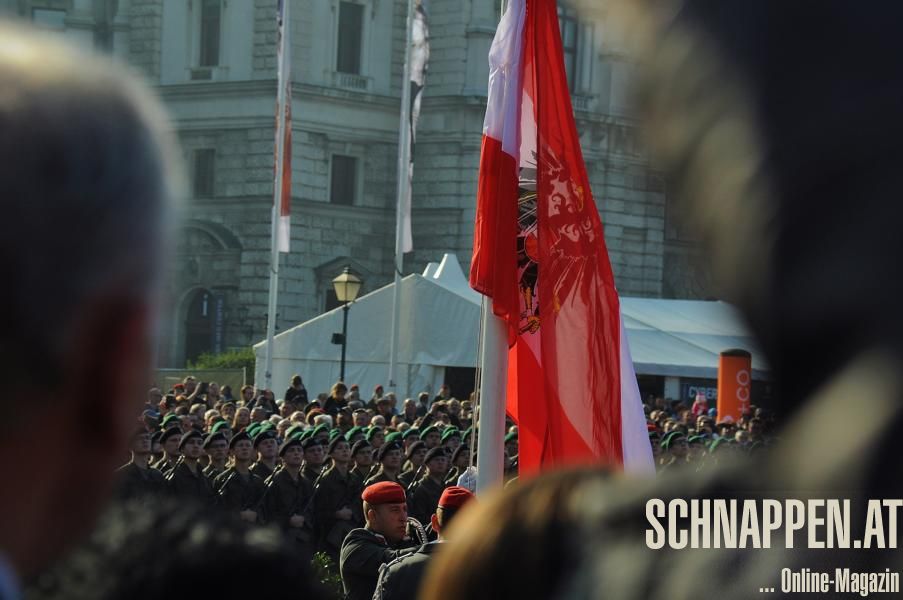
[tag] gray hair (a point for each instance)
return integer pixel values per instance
(86, 187)
(323, 420)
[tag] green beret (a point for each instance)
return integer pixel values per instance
(306, 435)
(371, 432)
(671, 438)
(320, 429)
(293, 429)
(696, 439)
(220, 425)
(450, 432)
(298, 434)
(214, 437)
(170, 420)
(717, 443)
(395, 435)
(409, 432)
(253, 429)
(467, 433)
(168, 433)
(239, 437)
(334, 433)
(262, 436)
(428, 430)
(266, 426)
(353, 432)
(511, 437)
(288, 444)
(193, 434)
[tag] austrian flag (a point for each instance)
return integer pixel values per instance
(539, 253)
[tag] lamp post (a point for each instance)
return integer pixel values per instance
(346, 285)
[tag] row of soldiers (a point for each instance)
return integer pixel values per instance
(309, 483)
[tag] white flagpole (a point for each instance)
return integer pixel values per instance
(492, 394)
(277, 194)
(403, 190)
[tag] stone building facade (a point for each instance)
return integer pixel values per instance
(213, 63)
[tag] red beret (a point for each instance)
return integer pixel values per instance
(384, 492)
(454, 497)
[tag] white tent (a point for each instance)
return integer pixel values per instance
(440, 326)
(440, 317)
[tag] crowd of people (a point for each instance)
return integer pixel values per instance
(299, 462)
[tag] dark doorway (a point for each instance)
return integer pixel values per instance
(460, 380)
(199, 323)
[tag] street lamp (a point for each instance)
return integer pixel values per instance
(346, 285)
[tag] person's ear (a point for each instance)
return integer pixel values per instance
(434, 523)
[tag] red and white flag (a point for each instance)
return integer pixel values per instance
(539, 253)
(282, 193)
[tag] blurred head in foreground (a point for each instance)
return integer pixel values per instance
(518, 543)
(84, 187)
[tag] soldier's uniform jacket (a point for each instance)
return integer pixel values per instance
(182, 482)
(406, 479)
(211, 472)
(424, 498)
(239, 492)
(336, 491)
(261, 470)
(360, 473)
(135, 482)
(363, 553)
(401, 578)
(285, 497)
(310, 474)
(380, 476)
(164, 465)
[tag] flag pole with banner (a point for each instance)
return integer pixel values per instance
(282, 175)
(540, 255)
(416, 62)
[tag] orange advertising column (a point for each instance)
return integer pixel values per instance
(734, 383)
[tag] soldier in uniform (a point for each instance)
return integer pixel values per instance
(389, 457)
(137, 479)
(338, 499)
(460, 460)
(217, 448)
(241, 491)
(170, 440)
(424, 496)
(416, 453)
(450, 439)
(431, 437)
(287, 501)
(381, 541)
(267, 454)
(401, 578)
(362, 455)
(186, 478)
(314, 459)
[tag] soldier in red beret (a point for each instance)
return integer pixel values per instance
(400, 579)
(383, 539)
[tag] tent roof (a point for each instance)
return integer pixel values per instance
(441, 321)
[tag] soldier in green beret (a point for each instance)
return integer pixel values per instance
(267, 454)
(217, 448)
(362, 456)
(355, 434)
(137, 479)
(241, 491)
(425, 493)
(186, 478)
(413, 467)
(389, 457)
(450, 440)
(314, 459)
(170, 440)
(431, 437)
(338, 499)
(288, 497)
